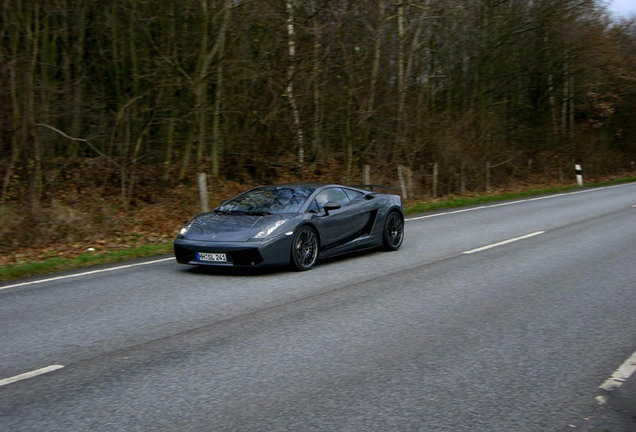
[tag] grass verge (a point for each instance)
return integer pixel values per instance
(53, 265)
(464, 202)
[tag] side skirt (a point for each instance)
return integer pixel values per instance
(357, 245)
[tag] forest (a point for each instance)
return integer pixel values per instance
(111, 108)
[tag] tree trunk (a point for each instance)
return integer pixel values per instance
(219, 93)
(291, 69)
(28, 124)
(401, 78)
(317, 81)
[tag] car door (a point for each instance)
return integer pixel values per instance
(341, 225)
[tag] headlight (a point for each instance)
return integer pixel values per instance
(185, 229)
(266, 232)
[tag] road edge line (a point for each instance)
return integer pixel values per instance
(84, 273)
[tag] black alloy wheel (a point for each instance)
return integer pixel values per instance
(393, 231)
(304, 248)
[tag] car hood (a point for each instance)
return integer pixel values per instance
(229, 227)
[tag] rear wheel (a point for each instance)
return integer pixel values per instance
(393, 234)
(304, 252)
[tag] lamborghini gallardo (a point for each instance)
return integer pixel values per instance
(292, 225)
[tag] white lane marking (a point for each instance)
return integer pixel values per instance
(27, 375)
(513, 202)
(84, 273)
(621, 374)
(446, 213)
(490, 246)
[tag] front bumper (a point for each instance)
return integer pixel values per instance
(239, 254)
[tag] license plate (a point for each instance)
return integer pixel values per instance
(211, 257)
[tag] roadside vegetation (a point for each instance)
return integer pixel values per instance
(95, 258)
(54, 265)
(464, 202)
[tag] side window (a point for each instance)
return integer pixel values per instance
(313, 207)
(334, 195)
(353, 194)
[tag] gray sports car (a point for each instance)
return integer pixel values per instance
(291, 224)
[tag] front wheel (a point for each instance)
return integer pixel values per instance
(304, 252)
(393, 234)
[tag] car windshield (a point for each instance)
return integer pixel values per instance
(268, 200)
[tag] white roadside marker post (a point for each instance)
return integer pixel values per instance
(579, 174)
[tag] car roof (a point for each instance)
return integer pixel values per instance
(310, 185)
(297, 185)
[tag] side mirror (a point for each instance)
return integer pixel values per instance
(329, 206)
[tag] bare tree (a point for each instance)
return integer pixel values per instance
(291, 69)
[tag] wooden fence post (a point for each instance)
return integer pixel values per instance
(462, 178)
(402, 182)
(488, 177)
(203, 191)
(435, 179)
(409, 180)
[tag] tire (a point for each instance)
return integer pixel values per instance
(393, 234)
(304, 249)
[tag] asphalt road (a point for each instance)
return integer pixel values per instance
(446, 334)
